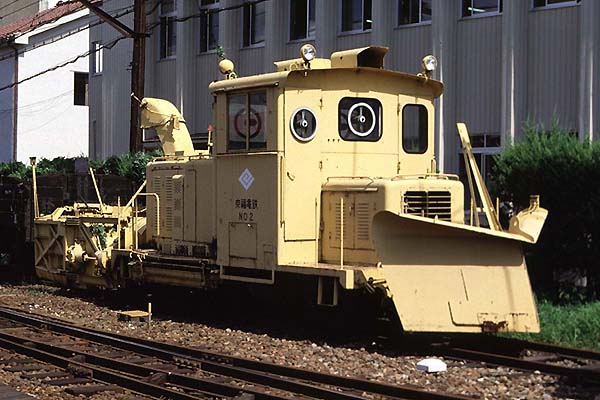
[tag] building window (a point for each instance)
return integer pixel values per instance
(247, 121)
(413, 11)
(485, 146)
(554, 3)
(473, 8)
(80, 89)
(302, 19)
(168, 28)
(415, 129)
(254, 24)
(356, 15)
(209, 25)
(96, 58)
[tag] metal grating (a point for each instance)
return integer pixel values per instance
(435, 204)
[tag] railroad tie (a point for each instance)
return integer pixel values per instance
(25, 368)
(8, 392)
(91, 390)
(68, 381)
(43, 375)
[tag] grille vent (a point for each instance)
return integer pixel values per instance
(338, 222)
(429, 204)
(363, 221)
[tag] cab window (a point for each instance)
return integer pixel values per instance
(247, 118)
(359, 119)
(414, 129)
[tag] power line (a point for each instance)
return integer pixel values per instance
(8, 5)
(109, 46)
(18, 9)
(207, 11)
(63, 36)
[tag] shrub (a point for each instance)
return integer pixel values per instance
(564, 172)
(130, 165)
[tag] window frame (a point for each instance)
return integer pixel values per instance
(482, 152)
(307, 35)
(167, 16)
(483, 14)
(86, 88)
(427, 144)
(247, 149)
(97, 59)
(214, 5)
(421, 22)
(568, 3)
(342, 32)
(251, 16)
(378, 122)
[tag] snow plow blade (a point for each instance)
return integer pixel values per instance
(448, 277)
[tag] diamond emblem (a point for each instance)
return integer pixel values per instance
(246, 179)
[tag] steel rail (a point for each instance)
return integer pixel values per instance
(244, 369)
(542, 347)
(215, 389)
(98, 373)
(580, 373)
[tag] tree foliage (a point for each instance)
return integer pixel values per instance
(130, 165)
(564, 171)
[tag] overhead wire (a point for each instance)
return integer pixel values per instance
(112, 43)
(18, 9)
(109, 46)
(63, 36)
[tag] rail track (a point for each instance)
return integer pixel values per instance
(572, 363)
(160, 370)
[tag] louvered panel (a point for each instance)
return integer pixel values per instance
(347, 223)
(434, 204)
(363, 221)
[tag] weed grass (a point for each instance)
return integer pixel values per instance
(576, 325)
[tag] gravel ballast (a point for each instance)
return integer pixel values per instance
(346, 360)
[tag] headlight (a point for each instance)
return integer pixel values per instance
(429, 63)
(308, 52)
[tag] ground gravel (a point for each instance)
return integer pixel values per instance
(347, 360)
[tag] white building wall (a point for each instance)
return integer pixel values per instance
(49, 124)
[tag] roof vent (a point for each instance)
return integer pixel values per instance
(371, 57)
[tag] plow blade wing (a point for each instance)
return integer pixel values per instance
(447, 277)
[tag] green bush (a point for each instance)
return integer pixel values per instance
(565, 173)
(15, 170)
(130, 165)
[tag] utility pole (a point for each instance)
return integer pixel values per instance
(138, 67)
(138, 63)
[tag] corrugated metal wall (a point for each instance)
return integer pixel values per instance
(552, 66)
(408, 46)
(551, 63)
(7, 77)
(479, 70)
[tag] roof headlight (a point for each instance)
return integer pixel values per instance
(308, 52)
(429, 63)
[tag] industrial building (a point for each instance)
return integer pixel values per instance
(502, 62)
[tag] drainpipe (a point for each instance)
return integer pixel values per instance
(15, 101)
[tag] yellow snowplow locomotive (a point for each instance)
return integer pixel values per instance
(324, 168)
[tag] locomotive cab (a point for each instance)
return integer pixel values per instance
(306, 139)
